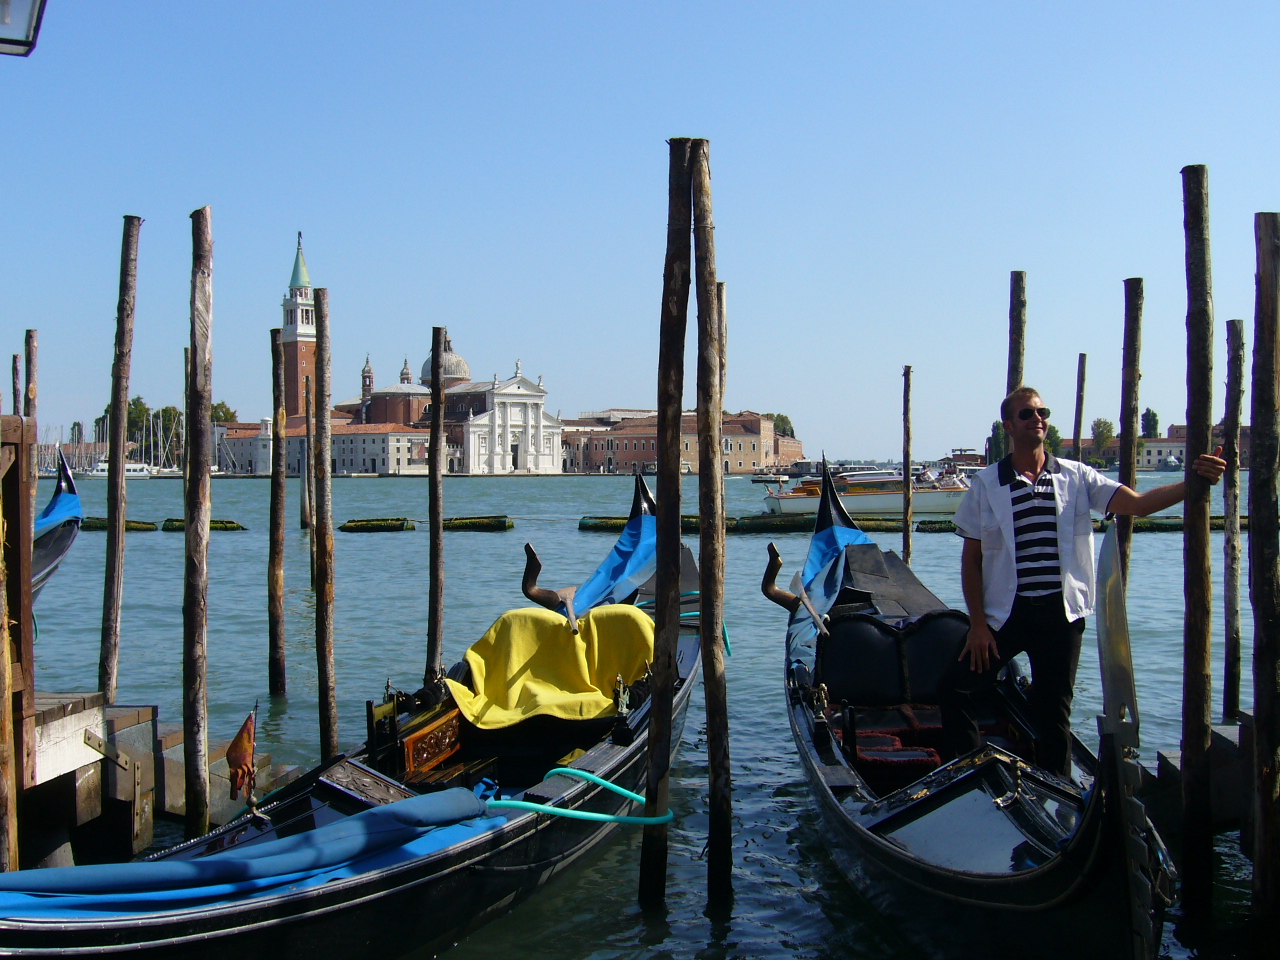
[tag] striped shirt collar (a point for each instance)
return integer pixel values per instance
(1005, 472)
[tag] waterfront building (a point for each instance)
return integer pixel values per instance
(616, 441)
(493, 427)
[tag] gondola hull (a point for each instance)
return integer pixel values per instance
(986, 855)
(423, 905)
(1080, 896)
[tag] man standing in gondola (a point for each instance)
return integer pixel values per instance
(1027, 573)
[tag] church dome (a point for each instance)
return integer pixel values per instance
(453, 369)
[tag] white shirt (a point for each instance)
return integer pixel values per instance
(986, 514)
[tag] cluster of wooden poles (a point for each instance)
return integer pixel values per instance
(1197, 861)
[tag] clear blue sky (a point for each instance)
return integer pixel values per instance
(500, 169)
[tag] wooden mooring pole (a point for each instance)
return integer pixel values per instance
(8, 770)
(1017, 336)
(117, 425)
(326, 681)
(17, 384)
(711, 555)
(435, 513)
(907, 484)
(199, 509)
(675, 313)
(1197, 689)
(1130, 374)
(1231, 547)
(1264, 579)
(32, 349)
(276, 674)
(1079, 419)
(309, 465)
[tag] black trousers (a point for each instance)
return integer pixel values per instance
(1037, 626)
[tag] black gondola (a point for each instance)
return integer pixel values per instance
(987, 855)
(55, 528)
(434, 825)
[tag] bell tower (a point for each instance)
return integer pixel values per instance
(299, 336)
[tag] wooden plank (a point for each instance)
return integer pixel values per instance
(60, 744)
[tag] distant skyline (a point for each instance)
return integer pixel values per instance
(500, 169)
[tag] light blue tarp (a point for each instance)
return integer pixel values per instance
(63, 506)
(632, 561)
(372, 840)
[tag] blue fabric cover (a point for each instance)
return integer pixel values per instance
(632, 561)
(62, 506)
(371, 840)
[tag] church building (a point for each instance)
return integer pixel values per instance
(493, 427)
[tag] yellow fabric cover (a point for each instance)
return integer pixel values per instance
(530, 663)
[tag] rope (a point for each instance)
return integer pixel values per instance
(584, 814)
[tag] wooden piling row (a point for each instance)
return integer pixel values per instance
(117, 500)
(276, 672)
(324, 534)
(199, 508)
(1264, 579)
(1130, 374)
(907, 485)
(435, 514)
(674, 317)
(711, 557)
(1231, 548)
(1197, 684)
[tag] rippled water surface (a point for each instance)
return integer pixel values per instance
(789, 899)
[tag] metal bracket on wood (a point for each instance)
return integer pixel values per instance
(120, 759)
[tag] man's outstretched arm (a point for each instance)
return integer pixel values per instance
(1130, 503)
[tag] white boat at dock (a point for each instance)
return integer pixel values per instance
(132, 471)
(875, 493)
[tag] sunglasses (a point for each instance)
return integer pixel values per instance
(1026, 413)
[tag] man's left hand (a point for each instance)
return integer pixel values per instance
(1210, 466)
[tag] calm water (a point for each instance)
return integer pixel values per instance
(790, 901)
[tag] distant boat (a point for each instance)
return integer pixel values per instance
(874, 493)
(1171, 464)
(132, 471)
(55, 528)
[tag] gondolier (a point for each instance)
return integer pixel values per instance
(1027, 573)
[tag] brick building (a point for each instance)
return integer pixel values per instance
(627, 442)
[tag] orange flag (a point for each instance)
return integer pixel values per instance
(240, 758)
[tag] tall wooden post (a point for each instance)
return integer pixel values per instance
(8, 769)
(1079, 420)
(1231, 547)
(1017, 335)
(1017, 329)
(117, 501)
(324, 535)
(711, 539)
(435, 513)
(29, 411)
(199, 508)
(1130, 374)
(306, 474)
(675, 313)
(17, 385)
(908, 485)
(186, 404)
(309, 465)
(276, 679)
(1197, 689)
(1264, 579)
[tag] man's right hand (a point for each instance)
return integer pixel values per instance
(980, 646)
